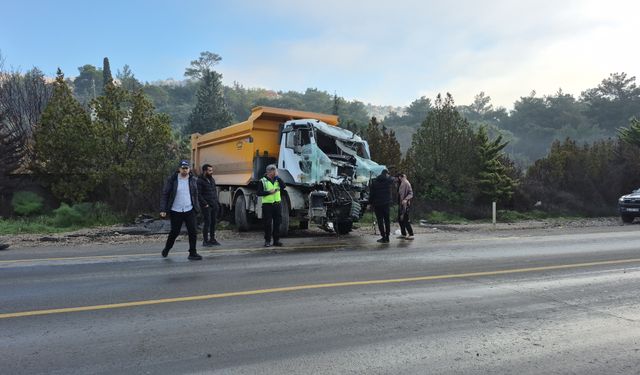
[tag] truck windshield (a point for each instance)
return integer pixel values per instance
(333, 146)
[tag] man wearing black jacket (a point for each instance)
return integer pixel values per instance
(180, 200)
(269, 189)
(208, 195)
(380, 199)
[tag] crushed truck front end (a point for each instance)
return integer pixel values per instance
(331, 165)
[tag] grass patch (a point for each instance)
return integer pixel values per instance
(439, 217)
(507, 216)
(63, 219)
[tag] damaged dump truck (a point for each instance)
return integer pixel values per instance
(327, 169)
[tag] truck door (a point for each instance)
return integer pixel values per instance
(294, 153)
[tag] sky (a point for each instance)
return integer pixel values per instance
(378, 52)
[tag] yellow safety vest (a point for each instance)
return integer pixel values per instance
(268, 185)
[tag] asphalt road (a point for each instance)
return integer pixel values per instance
(460, 304)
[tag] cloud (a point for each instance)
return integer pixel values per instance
(394, 52)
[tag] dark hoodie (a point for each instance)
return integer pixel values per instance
(380, 193)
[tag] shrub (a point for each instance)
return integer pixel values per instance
(67, 216)
(27, 203)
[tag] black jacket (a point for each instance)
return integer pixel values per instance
(261, 192)
(169, 192)
(207, 192)
(380, 190)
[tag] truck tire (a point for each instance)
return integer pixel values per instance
(284, 224)
(627, 218)
(240, 214)
(344, 227)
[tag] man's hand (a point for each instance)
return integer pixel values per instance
(163, 214)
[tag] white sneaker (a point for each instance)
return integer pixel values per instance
(408, 238)
(401, 237)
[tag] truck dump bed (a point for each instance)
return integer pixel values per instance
(232, 150)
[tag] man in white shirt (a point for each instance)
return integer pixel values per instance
(180, 201)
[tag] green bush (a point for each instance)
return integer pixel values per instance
(27, 203)
(67, 216)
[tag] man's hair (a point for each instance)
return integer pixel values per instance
(205, 167)
(271, 167)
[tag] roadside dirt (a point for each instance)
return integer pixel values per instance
(152, 232)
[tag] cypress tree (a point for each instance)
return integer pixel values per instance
(107, 78)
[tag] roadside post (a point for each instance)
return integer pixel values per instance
(493, 213)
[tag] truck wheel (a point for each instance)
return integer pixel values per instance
(344, 227)
(627, 218)
(242, 222)
(284, 224)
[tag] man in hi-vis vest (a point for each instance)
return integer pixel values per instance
(270, 189)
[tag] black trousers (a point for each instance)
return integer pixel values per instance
(272, 217)
(404, 221)
(209, 214)
(384, 222)
(189, 219)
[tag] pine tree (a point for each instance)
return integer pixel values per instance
(442, 158)
(494, 182)
(210, 112)
(631, 135)
(65, 146)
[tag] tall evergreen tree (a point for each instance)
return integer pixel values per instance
(107, 78)
(442, 157)
(65, 147)
(494, 182)
(392, 156)
(374, 138)
(336, 104)
(210, 112)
